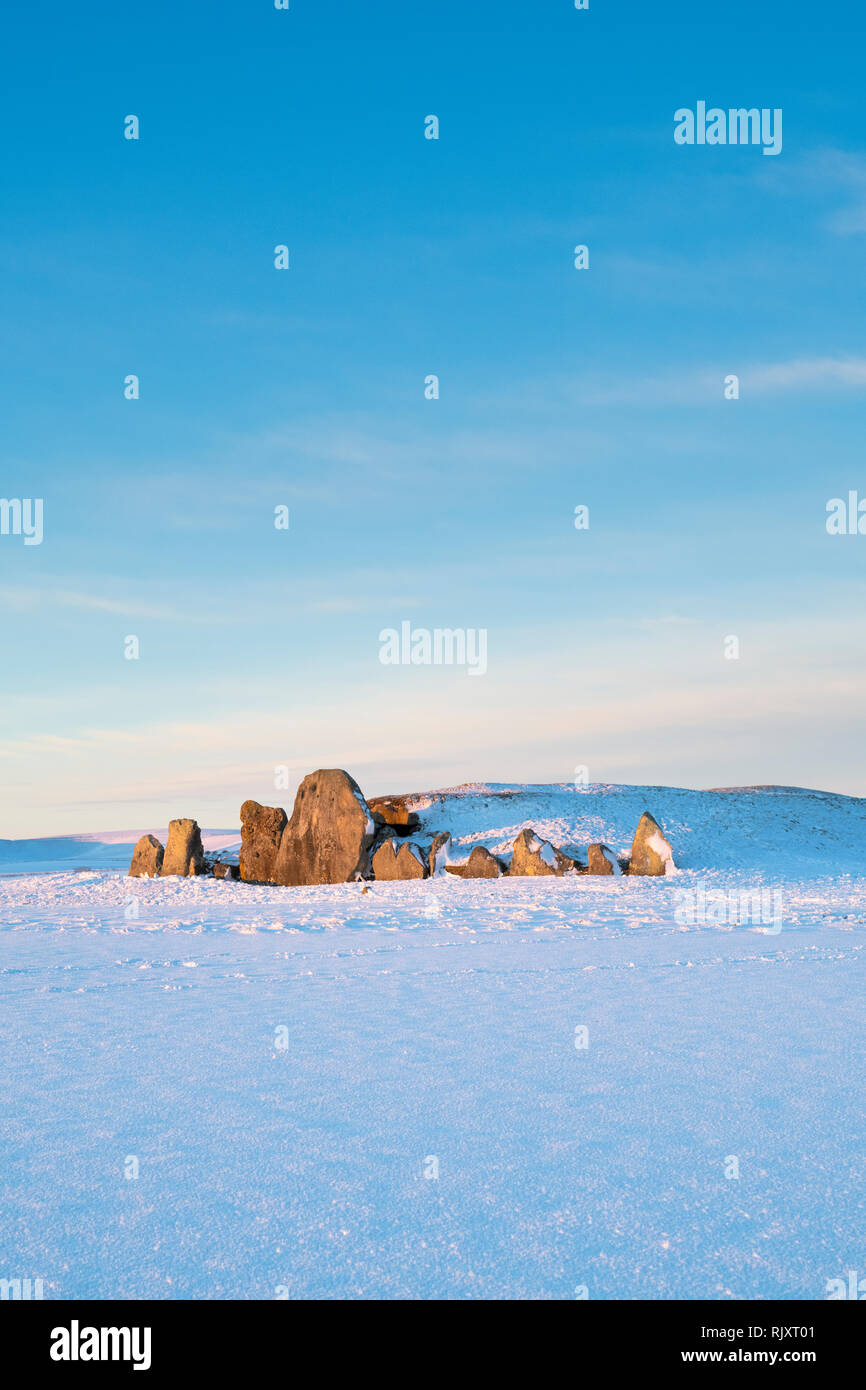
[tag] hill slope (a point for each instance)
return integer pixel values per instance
(784, 830)
(772, 829)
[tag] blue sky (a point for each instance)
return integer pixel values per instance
(260, 648)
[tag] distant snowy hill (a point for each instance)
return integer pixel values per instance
(106, 850)
(772, 829)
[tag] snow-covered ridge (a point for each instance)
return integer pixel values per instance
(779, 830)
(783, 830)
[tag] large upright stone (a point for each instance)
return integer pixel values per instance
(389, 862)
(601, 860)
(261, 832)
(330, 833)
(183, 853)
(537, 857)
(650, 852)
(147, 858)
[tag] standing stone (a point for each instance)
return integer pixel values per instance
(183, 853)
(481, 864)
(650, 852)
(601, 860)
(261, 832)
(147, 858)
(535, 856)
(439, 852)
(389, 862)
(330, 833)
(221, 870)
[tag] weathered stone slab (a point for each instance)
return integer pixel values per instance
(391, 862)
(261, 832)
(330, 833)
(651, 853)
(536, 857)
(147, 858)
(183, 853)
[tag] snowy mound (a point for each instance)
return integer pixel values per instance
(771, 829)
(783, 830)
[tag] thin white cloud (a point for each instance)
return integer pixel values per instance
(814, 372)
(828, 174)
(375, 603)
(667, 620)
(690, 387)
(23, 597)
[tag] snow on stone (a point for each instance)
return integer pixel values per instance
(612, 860)
(662, 849)
(369, 825)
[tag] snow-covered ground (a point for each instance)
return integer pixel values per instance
(288, 1069)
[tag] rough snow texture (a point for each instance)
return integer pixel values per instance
(285, 1063)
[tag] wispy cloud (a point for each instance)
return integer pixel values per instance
(831, 176)
(667, 620)
(818, 373)
(24, 597)
(374, 603)
(690, 386)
